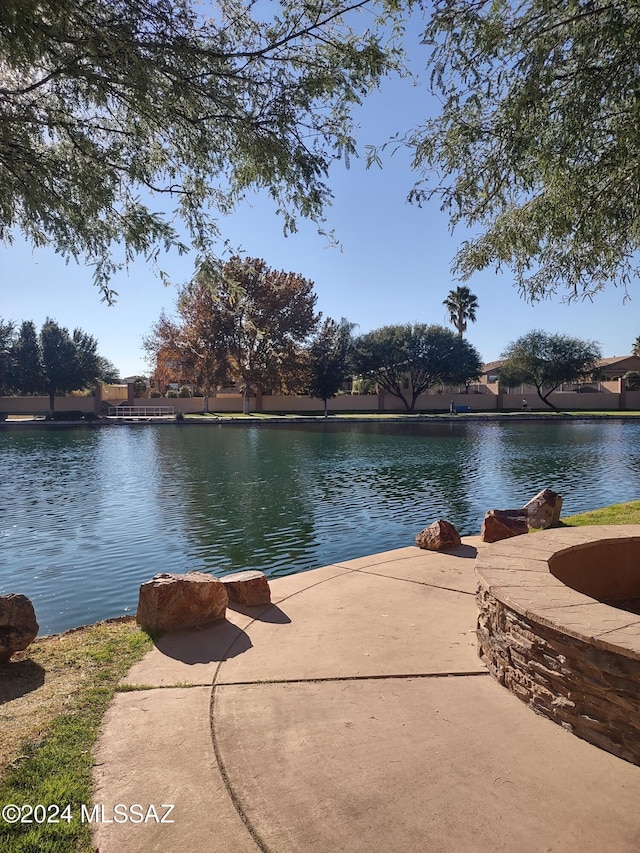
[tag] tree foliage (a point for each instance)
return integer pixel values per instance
(190, 349)
(26, 357)
(7, 335)
(546, 361)
(632, 380)
(108, 373)
(537, 145)
(329, 359)
(461, 305)
(239, 321)
(426, 355)
(69, 362)
(52, 361)
(131, 121)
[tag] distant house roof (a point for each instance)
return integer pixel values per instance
(616, 365)
(616, 359)
(491, 366)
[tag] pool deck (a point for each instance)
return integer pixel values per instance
(354, 715)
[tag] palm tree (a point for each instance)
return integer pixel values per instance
(635, 349)
(461, 305)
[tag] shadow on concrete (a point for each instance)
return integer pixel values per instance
(218, 641)
(466, 551)
(19, 678)
(271, 613)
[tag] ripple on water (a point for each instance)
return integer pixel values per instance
(86, 516)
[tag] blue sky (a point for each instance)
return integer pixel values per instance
(393, 265)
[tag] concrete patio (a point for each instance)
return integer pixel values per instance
(353, 714)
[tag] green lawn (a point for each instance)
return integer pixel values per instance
(626, 513)
(54, 696)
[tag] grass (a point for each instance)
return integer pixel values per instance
(625, 513)
(400, 415)
(52, 700)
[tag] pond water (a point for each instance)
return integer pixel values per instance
(87, 515)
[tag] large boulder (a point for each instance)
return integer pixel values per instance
(18, 626)
(169, 602)
(503, 523)
(439, 536)
(249, 587)
(543, 510)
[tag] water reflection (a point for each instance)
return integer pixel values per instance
(240, 496)
(87, 515)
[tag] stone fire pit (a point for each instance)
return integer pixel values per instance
(559, 625)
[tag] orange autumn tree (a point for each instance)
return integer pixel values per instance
(239, 321)
(177, 352)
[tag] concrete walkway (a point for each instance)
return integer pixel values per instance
(351, 715)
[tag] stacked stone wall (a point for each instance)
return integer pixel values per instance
(591, 692)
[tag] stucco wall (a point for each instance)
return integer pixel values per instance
(632, 400)
(565, 400)
(40, 405)
(342, 403)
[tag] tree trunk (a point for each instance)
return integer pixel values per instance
(325, 407)
(545, 400)
(52, 402)
(245, 401)
(408, 406)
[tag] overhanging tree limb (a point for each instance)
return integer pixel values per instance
(103, 99)
(537, 145)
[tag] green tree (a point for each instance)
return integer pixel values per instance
(69, 362)
(7, 339)
(425, 355)
(635, 349)
(632, 380)
(537, 144)
(462, 306)
(546, 361)
(28, 377)
(107, 106)
(329, 359)
(108, 372)
(140, 386)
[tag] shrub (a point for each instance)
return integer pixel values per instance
(184, 392)
(632, 379)
(70, 415)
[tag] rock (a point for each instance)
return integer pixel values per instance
(503, 523)
(18, 626)
(439, 536)
(543, 510)
(247, 588)
(168, 602)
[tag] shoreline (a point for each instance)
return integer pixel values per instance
(267, 419)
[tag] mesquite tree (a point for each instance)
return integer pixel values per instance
(425, 355)
(125, 124)
(537, 142)
(545, 361)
